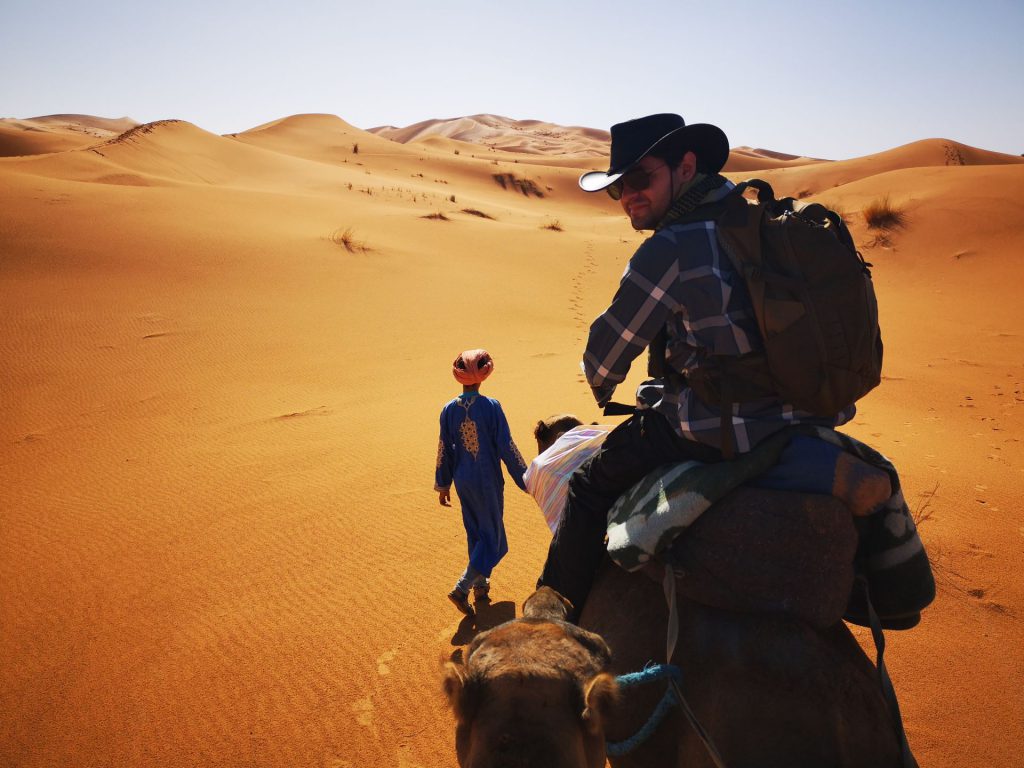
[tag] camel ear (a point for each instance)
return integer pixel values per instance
(599, 697)
(463, 694)
(454, 684)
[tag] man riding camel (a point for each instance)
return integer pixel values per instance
(681, 297)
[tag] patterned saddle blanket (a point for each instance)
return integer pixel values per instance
(759, 550)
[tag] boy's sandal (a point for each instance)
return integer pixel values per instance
(461, 601)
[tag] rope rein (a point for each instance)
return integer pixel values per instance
(650, 673)
(673, 693)
(673, 697)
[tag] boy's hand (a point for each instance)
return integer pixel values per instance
(445, 497)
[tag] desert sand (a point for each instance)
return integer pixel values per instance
(223, 363)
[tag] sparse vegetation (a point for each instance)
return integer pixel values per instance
(347, 239)
(882, 214)
(511, 181)
(451, 199)
(475, 212)
(355, 149)
(923, 513)
(438, 216)
(554, 226)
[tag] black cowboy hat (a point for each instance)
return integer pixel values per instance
(633, 140)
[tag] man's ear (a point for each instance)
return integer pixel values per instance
(687, 167)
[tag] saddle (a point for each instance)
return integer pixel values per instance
(770, 551)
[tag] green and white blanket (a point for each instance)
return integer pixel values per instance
(645, 521)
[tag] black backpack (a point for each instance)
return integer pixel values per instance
(814, 302)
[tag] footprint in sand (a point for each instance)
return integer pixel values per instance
(992, 605)
(382, 663)
(975, 551)
(363, 709)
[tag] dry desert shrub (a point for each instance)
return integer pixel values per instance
(881, 214)
(475, 212)
(554, 226)
(347, 239)
(436, 216)
(511, 181)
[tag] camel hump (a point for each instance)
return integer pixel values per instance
(770, 552)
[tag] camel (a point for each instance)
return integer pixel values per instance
(537, 691)
(768, 689)
(532, 692)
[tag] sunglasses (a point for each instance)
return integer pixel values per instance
(637, 179)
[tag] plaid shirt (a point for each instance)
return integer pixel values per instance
(680, 280)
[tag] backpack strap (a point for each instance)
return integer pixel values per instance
(907, 758)
(721, 380)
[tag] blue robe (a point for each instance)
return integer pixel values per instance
(475, 439)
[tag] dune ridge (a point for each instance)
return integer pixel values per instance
(220, 541)
(497, 132)
(56, 133)
(819, 177)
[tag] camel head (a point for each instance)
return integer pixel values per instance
(532, 692)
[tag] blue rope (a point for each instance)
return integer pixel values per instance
(649, 673)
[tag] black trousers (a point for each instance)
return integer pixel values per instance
(642, 443)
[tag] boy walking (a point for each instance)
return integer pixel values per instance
(475, 439)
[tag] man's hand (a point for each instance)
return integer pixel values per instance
(445, 497)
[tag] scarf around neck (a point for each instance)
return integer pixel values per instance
(690, 197)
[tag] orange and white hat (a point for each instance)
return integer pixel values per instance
(472, 367)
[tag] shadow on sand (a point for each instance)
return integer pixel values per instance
(488, 615)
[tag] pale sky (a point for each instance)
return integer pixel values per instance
(832, 80)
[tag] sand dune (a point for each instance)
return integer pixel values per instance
(57, 133)
(100, 125)
(172, 152)
(494, 131)
(745, 159)
(538, 143)
(816, 178)
(758, 152)
(325, 138)
(224, 357)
